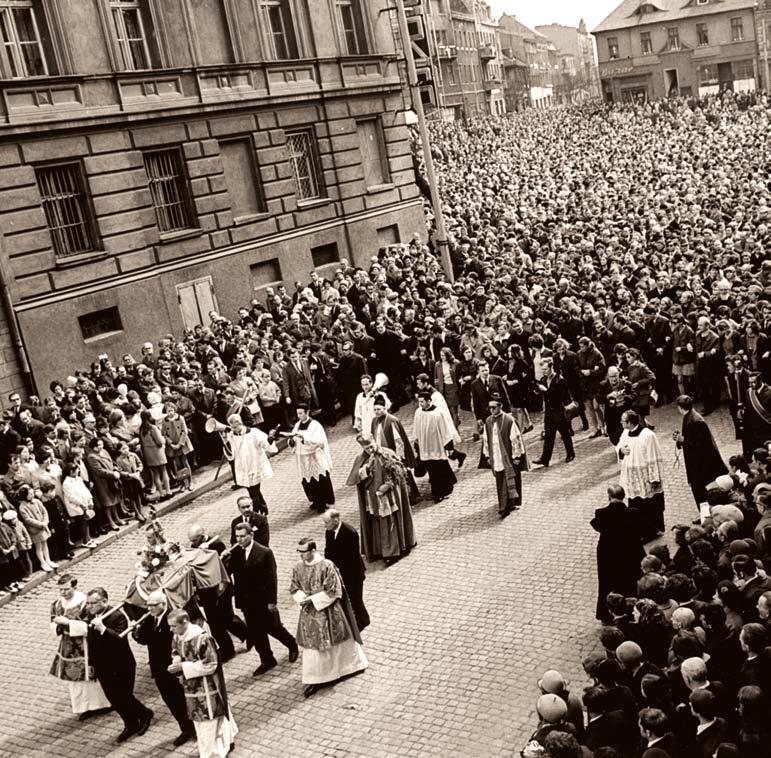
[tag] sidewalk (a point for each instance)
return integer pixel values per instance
(203, 482)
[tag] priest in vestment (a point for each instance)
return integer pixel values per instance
(389, 432)
(68, 614)
(326, 630)
(642, 474)
(194, 657)
(314, 461)
(434, 436)
(380, 478)
(364, 407)
(504, 448)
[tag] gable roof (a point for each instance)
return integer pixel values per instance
(626, 15)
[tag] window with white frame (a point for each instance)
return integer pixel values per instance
(673, 38)
(350, 16)
(169, 189)
(279, 29)
(702, 35)
(67, 208)
(613, 47)
(305, 164)
(129, 28)
(646, 44)
(23, 31)
(737, 29)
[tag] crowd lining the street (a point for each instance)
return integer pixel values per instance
(607, 260)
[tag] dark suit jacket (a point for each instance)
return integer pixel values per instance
(298, 385)
(480, 396)
(260, 528)
(157, 636)
(255, 582)
(345, 553)
(611, 729)
(556, 397)
(707, 742)
(667, 743)
(110, 653)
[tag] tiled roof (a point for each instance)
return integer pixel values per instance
(626, 15)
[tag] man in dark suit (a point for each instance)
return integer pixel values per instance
(556, 397)
(218, 604)
(154, 632)
(253, 568)
(712, 729)
(350, 369)
(297, 382)
(342, 548)
(605, 727)
(630, 657)
(654, 728)
(482, 388)
(114, 663)
(257, 521)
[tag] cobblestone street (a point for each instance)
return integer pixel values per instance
(461, 629)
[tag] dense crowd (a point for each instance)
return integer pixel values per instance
(619, 248)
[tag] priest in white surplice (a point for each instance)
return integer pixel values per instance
(642, 473)
(314, 461)
(326, 631)
(435, 435)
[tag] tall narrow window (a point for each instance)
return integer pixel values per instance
(350, 15)
(702, 35)
(22, 50)
(613, 47)
(279, 29)
(373, 152)
(244, 188)
(67, 208)
(169, 190)
(737, 30)
(645, 43)
(304, 160)
(130, 34)
(673, 38)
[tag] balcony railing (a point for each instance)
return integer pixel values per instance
(487, 52)
(447, 52)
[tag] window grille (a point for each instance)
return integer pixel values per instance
(304, 163)
(66, 208)
(169, 190)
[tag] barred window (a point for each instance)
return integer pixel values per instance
(22, 49)
(304, 160)
(67, 208)
(169, 189)
(130, 34)
(351, 18)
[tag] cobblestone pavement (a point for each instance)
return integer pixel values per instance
(461, 629)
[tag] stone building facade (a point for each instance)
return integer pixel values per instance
(160, 159)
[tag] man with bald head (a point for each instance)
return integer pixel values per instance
(154, 632)
(630, 657)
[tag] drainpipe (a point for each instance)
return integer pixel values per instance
(13, 324)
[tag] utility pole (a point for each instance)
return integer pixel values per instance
(417, 103)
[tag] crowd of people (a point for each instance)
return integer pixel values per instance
(607, 259)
